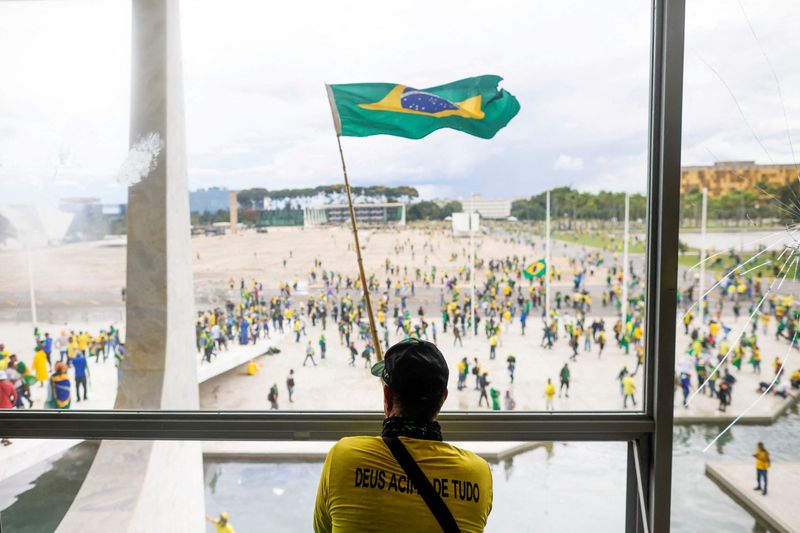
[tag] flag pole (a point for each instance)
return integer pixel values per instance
(30, 281)
(472, 266)
(702, 287)
(625, 239)
(547, 264)
(364, 285)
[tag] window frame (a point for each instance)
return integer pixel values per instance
(651, 428)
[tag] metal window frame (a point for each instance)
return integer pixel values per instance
(652, 428)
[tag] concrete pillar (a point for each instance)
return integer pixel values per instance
(233, 206)
(153, 486)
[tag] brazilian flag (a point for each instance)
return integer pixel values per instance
(474, 105)
(535, 270)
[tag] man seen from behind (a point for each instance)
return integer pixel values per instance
(406, 479)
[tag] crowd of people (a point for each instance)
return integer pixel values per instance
(61, 364)
(505, 300)
(716, 351)
(435, 303)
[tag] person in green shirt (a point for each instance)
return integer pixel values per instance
(495, 394)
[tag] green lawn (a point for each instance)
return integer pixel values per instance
(597, 240)
(721, 263)
(727, 264)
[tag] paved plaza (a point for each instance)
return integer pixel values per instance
(778, 510)
(333, 384)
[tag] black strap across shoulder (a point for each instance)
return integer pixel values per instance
(423, 485)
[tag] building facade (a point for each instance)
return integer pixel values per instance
(487, 208)
(369, 214)
(212, 199)
(727, 176)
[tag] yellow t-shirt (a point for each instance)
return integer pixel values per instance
(227, 528)
(628, 385)
(762, 460)
(550, 390)
(363, 488)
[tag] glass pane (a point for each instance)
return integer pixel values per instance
(65, 107)
(294, 252)
(257, 126)
(274, 485)
(737, 276)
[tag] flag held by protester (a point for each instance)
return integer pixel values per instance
(535, 270)
(476, 106)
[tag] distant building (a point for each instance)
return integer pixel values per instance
(727, 176)
(287, 216)
(465, 223)
(369, 214)
(212, 199)
(37, 225)
(487, 208)
(115, 209)
(89, 222)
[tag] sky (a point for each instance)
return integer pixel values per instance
(257, 113)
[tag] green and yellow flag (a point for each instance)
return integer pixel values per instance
(474, 105)
(535, 270)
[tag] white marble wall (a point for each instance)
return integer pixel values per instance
(153, 486)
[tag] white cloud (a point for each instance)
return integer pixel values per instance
(257, 113)
(567, 162)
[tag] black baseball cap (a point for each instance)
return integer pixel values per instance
(414, 368)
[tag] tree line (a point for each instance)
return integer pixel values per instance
(566, 202)
(427, 210)
(6, 230)
(746, 206)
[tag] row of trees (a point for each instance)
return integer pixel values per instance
(6, 230)
(427, 210)
(750, 205)
(566, 202)
(745, 206)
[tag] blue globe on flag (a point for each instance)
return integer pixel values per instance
(416, 100)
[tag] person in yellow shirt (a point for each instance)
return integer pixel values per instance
(297, 328)
(794, 381)
(492, 346)
(72, 348)
(40, 366)
(628, 390)
(549, 394)
(393, 482)
(222, 523)
(762, 465)
(83, 342)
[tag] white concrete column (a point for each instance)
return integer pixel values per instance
(233, 207)
(153, 486)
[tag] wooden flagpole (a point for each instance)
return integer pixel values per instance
(364, 285)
